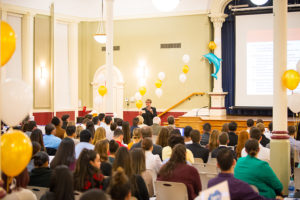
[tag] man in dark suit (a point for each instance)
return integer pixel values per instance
(233, 138)
(147, 132)
(197, 150)
(148, 113)
(223, 141)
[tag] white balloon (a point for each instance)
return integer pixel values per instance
(161, 76)
(98, 101)
(182, 78)
(186, 58)
(294, 102)
(138, 96)
(16, 99)
(158, 92)
(298, 66)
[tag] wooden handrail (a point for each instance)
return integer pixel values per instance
(180, 102)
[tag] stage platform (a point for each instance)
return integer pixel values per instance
(218, 121)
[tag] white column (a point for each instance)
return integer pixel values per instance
(109, 57)
(280, 145)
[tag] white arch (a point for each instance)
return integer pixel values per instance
(99, 76)
(218, 6)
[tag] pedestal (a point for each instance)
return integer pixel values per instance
(217, 103)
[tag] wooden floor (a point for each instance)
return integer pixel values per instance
(218, 121)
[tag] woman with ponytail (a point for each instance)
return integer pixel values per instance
(257, 172)
(40, 175)
(119, 187)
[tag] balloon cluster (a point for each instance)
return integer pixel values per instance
(102, 90)
(138, 97)
(185, 68)
(158, 84)
(212, 58)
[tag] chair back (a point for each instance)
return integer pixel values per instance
(296, 156)
(297, 178)
(198, 160)
(170, 190)
(212, 161)
(38, 191)
(148, 178)
(205, 177)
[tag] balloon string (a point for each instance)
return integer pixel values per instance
(9, 181)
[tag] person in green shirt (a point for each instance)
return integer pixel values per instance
(257, 172)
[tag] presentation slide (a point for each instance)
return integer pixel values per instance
(254, 57)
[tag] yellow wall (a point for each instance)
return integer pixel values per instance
(140, 39)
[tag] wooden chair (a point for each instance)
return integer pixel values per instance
(170, 190)
(38, 191)
(198, 160)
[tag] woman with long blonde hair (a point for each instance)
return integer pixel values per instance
(100, 134)
(136, 137)
(242, 139)
(213, 140)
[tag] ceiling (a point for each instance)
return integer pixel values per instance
(122, 8)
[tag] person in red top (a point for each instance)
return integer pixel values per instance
(118, 137)
(177, 170)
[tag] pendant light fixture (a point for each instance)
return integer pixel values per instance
(100, 35)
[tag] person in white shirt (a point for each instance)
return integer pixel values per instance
(250, 124)
(153, 162)
(96, 122)
(85, 143)
(264, 153)
(101, 117)
(187, 135)
(109, 133)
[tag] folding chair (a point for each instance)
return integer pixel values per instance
(170, 190)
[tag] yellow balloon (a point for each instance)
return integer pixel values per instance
(142, 90)
(158, 83)
(185, 69)
(291, 79)
(139, 104)
(102, 90)
(212, 45)
(16, 152)
(8, 42)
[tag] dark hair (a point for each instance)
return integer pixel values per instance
(113, 146)
(93, 194)
(119, 186)
(86, 120)
(65, 117)
(195, 136)
(255, 133)
(31, 125)
(135, 121)
(95, 120)
(108, 119)
(225, 128)
(40, 158)
(147, 132)
(252, 147)
(119, 122)
(175, 132)
(61, 183)
(70, 130)
(126, 131)
(178, 156)
(84, 170)
(187, 131)
(65, 154)
(36, 147)
(232, 126)
(123, 160)
(88, 116)
(118, 132)
(101, 116)
(270, 126)
(207, 127)
(291, 130)
(139, 164)
(90, 126)
(101, 148)
(79, 120)
(223, 138)
(259, 121)
(147, 144)
(113, 126)
(37, 136)
(85, 136)
(225, 159)
(175, 139)
(163, 137)
(55, 121)
(49, 128)
(250, 122)
(171, 120)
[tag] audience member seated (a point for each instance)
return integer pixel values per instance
(223, 141)
(187, 135)
(51, 142)
(176, 170)
(40, 175)
(136, 138)
(36, 147)
(238, 189)
(61, 185)
(90, 126)
(93, 194)
(101, 148)
(16, 190)
(171, 121)
(71, 133)
(84, 122)
(65, 121)
(87, 174)
(213, 140)
(119, 122)
(135, 122)
(259, 121)
(106, 126)
(163, 136)
(294, 144)
(101, 118)
(65, 155)
(172, 141)
(147, 132)
(60, 132)
(225, 128)
(250, 124)
(197, 150)
(243, 137)
(138, 186)
(153, 162)
(118, 137)
(113, 127)
(126, 131)
(141, 121)
(156, 125)
(264, 153)
(257, 172)
(206, 133)
(119, 186)
(30, 127)
(78, 131)
(37, 136)
(268, 132)
(139, 167)
(100, 134)
(233, 138)
(85, 142)
(89, 117)
(113, 148)
(264, 140)
(96, 122)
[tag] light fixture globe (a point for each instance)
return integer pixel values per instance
(100, 38)
(165, 5)
(259, 2)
